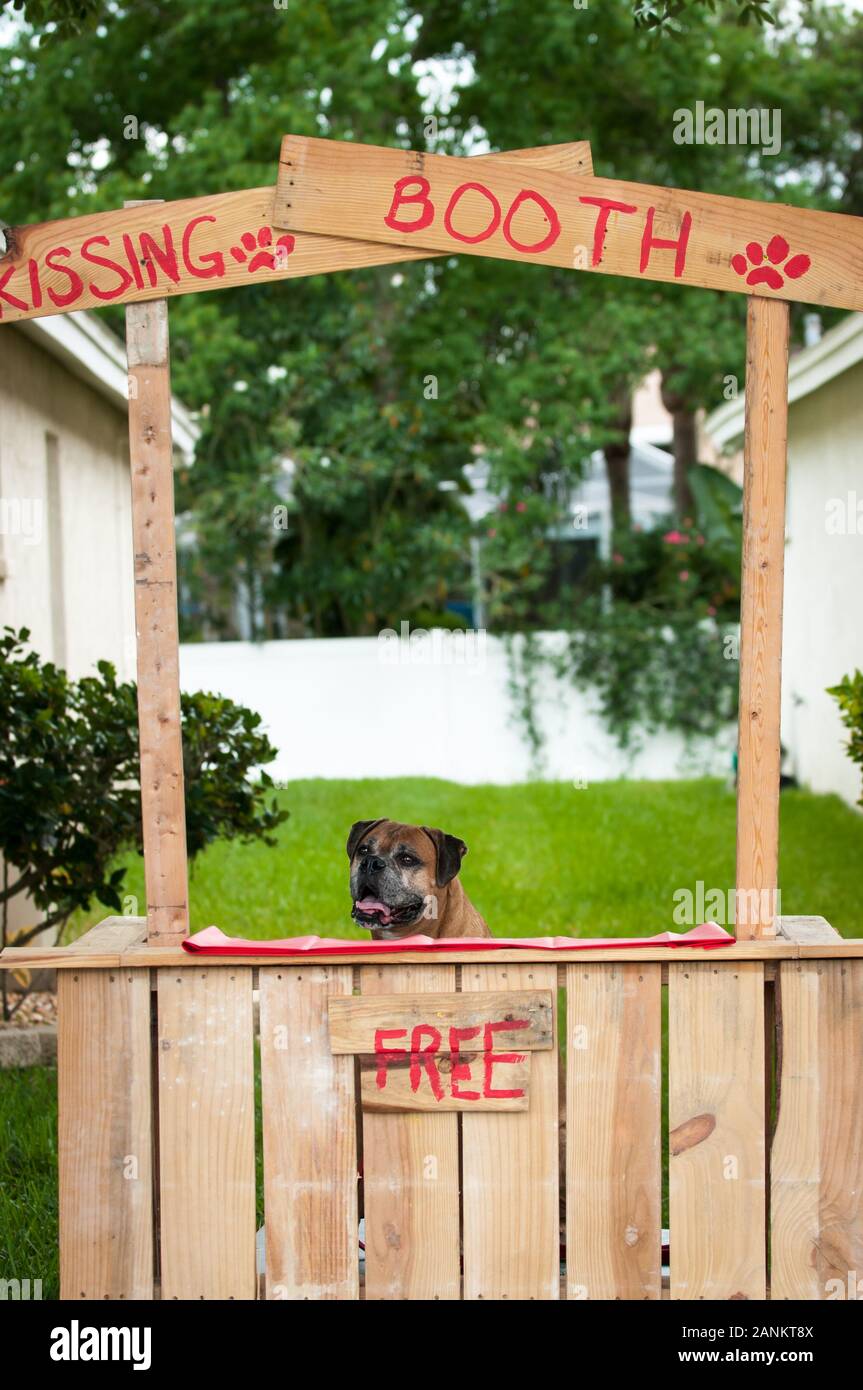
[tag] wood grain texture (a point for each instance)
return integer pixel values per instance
(112, 934)
(817, 1157)
(207, 1134)
(613, 1125)
(156, 622)
(758, 756)
(328, 186)
(808, 931)
(411, 1177)
(105, 1148)
(310, 1143)
(510, 1171)
(716, 1075)
(398, 1095)
(354, 1022)
(190, 246)
(769, 951)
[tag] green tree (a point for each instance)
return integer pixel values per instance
(70, 798)
(550, 72)
(314, 390)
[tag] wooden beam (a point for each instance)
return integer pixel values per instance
(407, 198)
(112, 934)
(511, 1169)
(411, 1178)
(613, 1132)
(105, 1134)
(767, 950)
(758, 757)
(162, 785)
(206, 1064)
(308, 1119)
(716, 1171)
(218, 242)
(808, 931)
(817, 1160)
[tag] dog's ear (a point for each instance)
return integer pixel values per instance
(450, 852)
(358, 830)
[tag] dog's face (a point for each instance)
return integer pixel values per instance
(398, 875)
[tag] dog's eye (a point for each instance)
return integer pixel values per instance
(363, 851)
(407, 859)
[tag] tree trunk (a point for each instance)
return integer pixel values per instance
(617, 469)
(685, 449)
(685, 458)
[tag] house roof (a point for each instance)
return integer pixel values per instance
(840, 348)
(93, 353)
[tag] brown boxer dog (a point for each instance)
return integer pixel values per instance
(404, 881)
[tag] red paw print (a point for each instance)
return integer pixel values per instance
(761, 274)
(263, 258)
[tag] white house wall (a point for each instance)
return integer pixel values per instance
(823, 613)
(86, 611)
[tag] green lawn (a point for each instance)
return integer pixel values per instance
(28, 1177)
(544, 858)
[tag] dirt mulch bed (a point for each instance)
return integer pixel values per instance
(38, 1007)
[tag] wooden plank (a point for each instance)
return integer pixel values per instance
(411, 1177)
(613, 1132)
(112, 934)
(809, 931)
(163, 808)
(510, 1171)
(758, 757)
(207, 1134)
(817, 1159)
(614, 228)
(310, 1142)
(716, 1072)
(105, 1149)
(389, 1088)
(768, 951)
(355, 1023)
(220, 241)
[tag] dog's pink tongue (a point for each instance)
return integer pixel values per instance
(372, 905)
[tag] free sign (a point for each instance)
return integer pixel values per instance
(431, 1052)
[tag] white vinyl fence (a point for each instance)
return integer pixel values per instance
(432, 706)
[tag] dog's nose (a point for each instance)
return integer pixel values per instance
(373, 865)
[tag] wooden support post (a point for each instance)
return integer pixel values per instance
(758, 762)
(162, 795)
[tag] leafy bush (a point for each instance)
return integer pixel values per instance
(652, 630)
(653, 668)
(69, 781)
(848, 694)
(695, 567)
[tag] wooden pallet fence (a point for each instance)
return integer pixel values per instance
(462, 1201)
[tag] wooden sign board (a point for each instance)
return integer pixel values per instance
(470, 1081)
(160, 250)
(441, 1052)
(614, 228)
(370, 1023)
